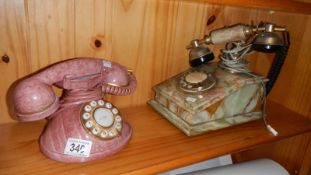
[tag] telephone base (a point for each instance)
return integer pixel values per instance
(108, 148)
(235, 98)
(191, 130)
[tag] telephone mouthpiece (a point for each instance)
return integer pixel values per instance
(199, 54)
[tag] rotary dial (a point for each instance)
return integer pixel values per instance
(196, 81)
(101, 119)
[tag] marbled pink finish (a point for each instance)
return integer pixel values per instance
(35, 99)
(66, 124)
(84, 79)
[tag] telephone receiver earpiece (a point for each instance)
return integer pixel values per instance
(269, 42)
(35, 99)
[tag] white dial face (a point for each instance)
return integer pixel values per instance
(196, 77)
(103, 117)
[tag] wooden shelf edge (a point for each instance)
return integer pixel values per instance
(276, 5)
(201, 156)
(156, 145)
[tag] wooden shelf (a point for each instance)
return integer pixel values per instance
(294, 6)
(156, 145)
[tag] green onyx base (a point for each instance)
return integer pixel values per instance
(196, 129)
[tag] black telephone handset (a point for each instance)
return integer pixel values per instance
(280, 56)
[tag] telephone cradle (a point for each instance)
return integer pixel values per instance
(82, 126)
(229, 100)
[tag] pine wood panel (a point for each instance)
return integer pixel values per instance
(143, 35)
(296, 6)
(51, 31)
(13, 44)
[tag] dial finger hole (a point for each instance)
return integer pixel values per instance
(118, 118)
(95, 131)
(112, 133)
(108, 105)
(118, 126)
(93, 103)
(101, 102)
(87, 108)
(86, 116)
(115, 111)
(104, 134)
(89, 124)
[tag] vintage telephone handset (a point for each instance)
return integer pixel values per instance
(82, 126)
(240, 41)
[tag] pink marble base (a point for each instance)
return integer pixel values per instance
(66, 124)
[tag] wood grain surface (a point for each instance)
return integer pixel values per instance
(14, 45)
(156, 145)
(150, 36)
(295, 6)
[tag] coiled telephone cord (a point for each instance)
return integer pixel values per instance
(234, 60)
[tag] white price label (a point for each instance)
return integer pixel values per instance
(106, 63)
(78, 147)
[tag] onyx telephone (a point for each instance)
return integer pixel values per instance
(209, 95)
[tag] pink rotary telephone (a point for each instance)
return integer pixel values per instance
(82, 126)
